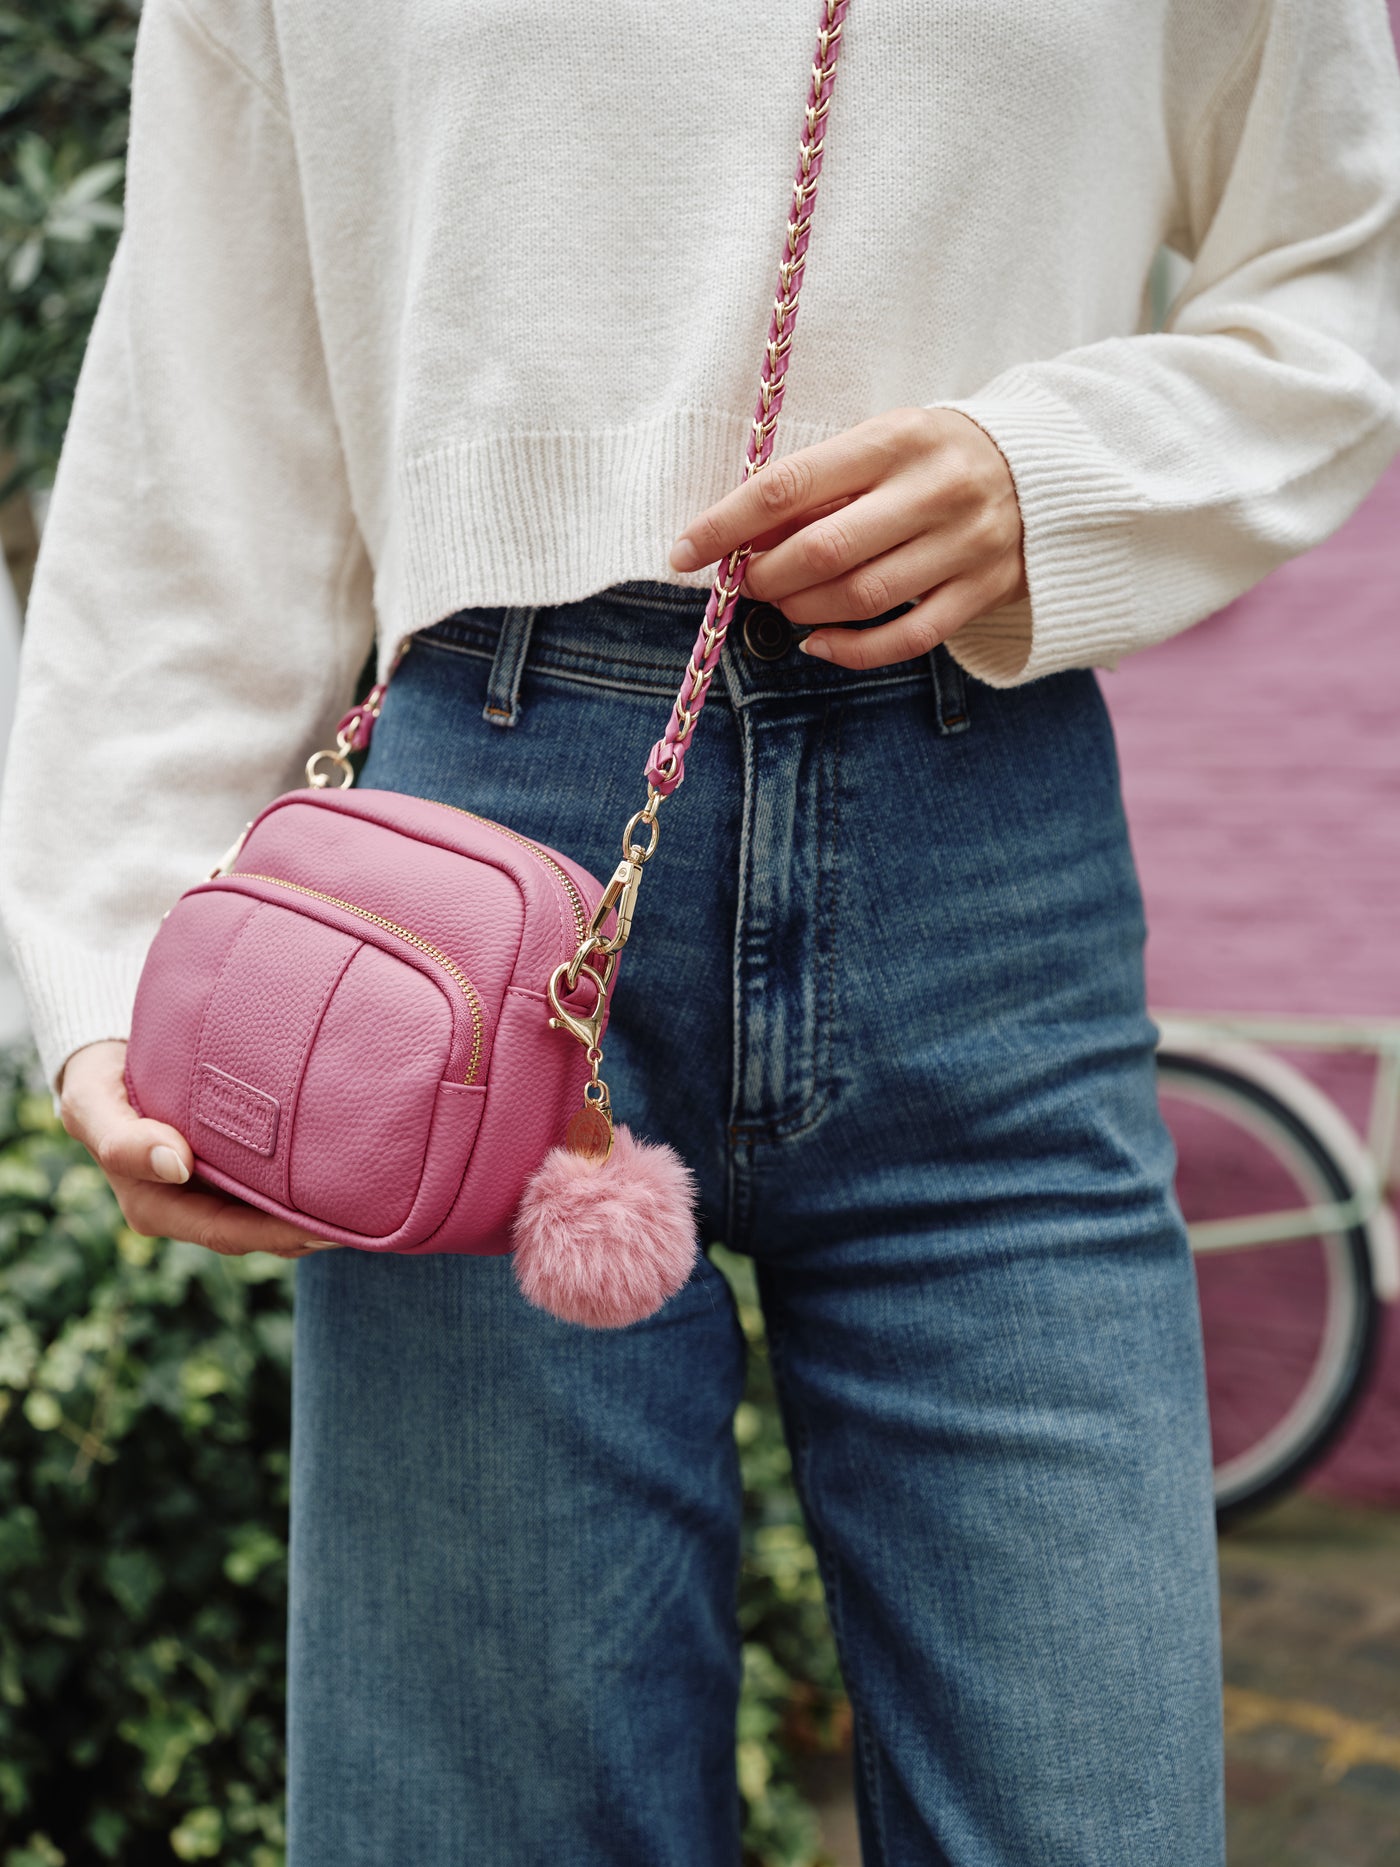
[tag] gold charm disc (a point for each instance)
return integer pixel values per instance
(589, 1133)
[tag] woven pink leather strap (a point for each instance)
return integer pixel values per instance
(666, 762)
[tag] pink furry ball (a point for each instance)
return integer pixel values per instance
(605, 1243)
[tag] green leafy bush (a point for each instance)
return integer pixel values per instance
(64, 86)
(143, 1475)
(144, 1419)
(793, 1700)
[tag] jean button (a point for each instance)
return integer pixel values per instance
(767, 632)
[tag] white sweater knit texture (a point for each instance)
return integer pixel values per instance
(463, 302)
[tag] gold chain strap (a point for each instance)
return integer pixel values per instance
(591, 1131)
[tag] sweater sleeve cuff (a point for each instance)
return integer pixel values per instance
(75, 996)
(1076, 510)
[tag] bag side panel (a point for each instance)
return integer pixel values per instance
(537, 1081)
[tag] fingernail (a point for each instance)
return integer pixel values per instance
(320, 1244)
(814, 645)
(684, 556)
(167, 1165)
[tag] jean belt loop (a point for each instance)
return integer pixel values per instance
(949, 691)
(503, 688)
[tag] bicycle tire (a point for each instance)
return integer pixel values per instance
(1338, 1402)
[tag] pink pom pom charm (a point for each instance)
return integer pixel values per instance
(604, 1238)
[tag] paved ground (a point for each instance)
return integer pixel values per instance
(1311, 1611)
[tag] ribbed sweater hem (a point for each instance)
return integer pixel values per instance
(541, 518)
(554, 517)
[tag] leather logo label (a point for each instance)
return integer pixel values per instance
(236, 1109)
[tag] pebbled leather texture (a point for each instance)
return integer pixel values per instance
(350, 1028)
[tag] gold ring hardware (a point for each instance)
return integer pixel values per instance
(593, 943)
(586, 1030)
(321, 780)
(634, 852)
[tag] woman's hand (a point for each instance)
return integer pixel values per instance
(149, 1164)
(917, 503)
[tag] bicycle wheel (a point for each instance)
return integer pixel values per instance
(1290, 1322)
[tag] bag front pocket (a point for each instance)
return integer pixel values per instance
(310, 1079)
(367, 1098)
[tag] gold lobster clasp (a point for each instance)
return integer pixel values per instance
(587, 1029)
(619, 898)
(620, 893)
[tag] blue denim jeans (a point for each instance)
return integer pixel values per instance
(885, 994)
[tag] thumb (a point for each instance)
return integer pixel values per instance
(95, 1109)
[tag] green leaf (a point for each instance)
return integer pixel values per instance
(134, 1248)
(135, 1579)
(255, 1548)
(107, 1829)
(19, 1355)
(93, 181)
(38, 1851)
(20, 1179)
(42, 1411)
(200, 1836)
(34, 164)
(202, 1375)
(25, 262)
(166, 1740)
(83, 1187)
(755, 1769)
(36, 1114)
(14, 1792)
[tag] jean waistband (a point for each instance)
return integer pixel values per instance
(635, 636)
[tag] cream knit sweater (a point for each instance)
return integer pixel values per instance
(462, 302)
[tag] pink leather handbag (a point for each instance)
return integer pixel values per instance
(381, 1018)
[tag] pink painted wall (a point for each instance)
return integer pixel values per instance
(1261, 755)
(1261, 768)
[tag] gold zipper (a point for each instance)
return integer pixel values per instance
(469, 991)
(576, 899)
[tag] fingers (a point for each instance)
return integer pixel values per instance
(914, 506)
(790, 490)
(208, 1219)
(95, 1110)
(917, 632)
(825, 551)
(150, 1166)
(766, 540)
(876, 583)
(916, 530)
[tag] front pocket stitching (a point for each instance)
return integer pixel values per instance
(233, 947)
(356, 948)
